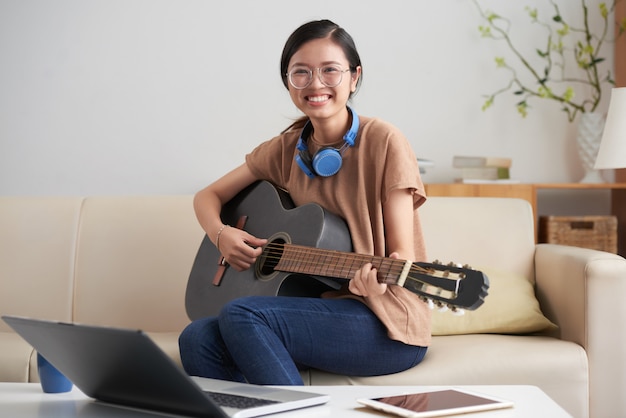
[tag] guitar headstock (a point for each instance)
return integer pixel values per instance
(449, 286)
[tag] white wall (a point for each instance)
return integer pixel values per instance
(164, 96)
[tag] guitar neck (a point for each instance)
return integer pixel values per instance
(330, 263)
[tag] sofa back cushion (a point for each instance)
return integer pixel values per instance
(134, 255)
(37, 243)
(496, 236)
(481, 231)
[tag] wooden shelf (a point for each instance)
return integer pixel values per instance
(528, 192)
(580, 186)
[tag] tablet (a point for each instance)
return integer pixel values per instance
(435, 403)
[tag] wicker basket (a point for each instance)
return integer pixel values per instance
(595, 232)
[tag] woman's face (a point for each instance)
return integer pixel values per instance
(318, 101)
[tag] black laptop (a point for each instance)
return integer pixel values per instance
(126, 368)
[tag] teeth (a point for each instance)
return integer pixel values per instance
(318, 98)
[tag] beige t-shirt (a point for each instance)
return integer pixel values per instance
(381, 161)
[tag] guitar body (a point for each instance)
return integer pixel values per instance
(270, 214)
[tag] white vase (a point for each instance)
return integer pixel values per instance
(590, 127)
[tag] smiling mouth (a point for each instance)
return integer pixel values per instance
(318, 99)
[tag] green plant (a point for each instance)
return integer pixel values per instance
(563, 45)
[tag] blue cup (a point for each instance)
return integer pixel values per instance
(52, 380)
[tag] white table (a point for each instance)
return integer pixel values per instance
(27, 400)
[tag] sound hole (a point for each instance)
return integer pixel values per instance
(272, 253)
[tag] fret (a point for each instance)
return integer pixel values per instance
(331, 263)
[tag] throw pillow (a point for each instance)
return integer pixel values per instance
(509, 308)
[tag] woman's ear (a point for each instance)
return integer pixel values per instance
(355, 78)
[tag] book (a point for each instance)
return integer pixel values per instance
(483, 181)
(484, 173)
(461, 161)
(423, 164)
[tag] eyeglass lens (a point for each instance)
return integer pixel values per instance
(330, 76)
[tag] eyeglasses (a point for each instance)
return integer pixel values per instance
(301, 77)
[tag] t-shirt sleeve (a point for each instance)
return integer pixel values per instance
(401, 168)
(269, 160)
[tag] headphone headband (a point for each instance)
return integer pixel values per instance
(350, 136)
(327, 161)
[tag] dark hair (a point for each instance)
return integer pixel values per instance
(320, 29)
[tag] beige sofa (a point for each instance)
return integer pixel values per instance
(124, 262)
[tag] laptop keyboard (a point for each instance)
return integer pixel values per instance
(237, 401)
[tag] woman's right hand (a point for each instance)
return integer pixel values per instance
(239, 248)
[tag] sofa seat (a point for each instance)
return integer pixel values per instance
(559, 367)
(15, 358)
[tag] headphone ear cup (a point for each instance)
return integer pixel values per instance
(327, 162)
(303, 158)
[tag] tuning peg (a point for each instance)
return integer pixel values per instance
(467, 266)
(430, 303)
(441, 307)
(457, 311)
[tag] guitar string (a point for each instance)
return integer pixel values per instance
(307, 255)
(296, 254)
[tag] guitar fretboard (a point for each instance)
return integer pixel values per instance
(330, 263)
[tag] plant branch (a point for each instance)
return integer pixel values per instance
(585, 52)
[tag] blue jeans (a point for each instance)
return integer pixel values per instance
(268, 339)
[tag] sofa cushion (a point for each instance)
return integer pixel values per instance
(469, 230)
(16, 354)
(560, 368)
(37, 243)
(510, 308)
(134, 255)
(481, 231)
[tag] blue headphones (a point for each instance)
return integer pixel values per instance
(327, 161)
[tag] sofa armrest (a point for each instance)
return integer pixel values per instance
(582, 291)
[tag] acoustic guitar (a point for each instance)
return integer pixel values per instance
(309, 251)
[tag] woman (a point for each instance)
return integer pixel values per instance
(360, 168)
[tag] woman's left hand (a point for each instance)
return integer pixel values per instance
(365, 281)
